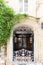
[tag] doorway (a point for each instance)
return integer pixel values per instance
(23, 44)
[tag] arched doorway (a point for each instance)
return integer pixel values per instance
(23, 43)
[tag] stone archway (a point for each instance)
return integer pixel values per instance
(29, 24)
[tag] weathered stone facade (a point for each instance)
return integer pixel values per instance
(38, 39)
(35, 25)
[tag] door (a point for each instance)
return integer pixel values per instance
(23, 45)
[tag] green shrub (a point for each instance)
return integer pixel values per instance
(7, 20)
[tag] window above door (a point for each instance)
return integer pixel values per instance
(23, 6)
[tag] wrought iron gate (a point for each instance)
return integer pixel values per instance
(23, 45)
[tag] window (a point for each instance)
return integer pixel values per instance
(20, 5)
(25, 5)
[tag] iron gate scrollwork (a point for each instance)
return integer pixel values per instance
(23, 44)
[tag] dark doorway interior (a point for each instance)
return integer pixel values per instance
(23, 43)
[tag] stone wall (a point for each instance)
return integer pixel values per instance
(38, 39)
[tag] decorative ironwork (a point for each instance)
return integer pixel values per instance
(23, 43)
(24, 29)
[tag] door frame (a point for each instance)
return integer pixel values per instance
(23, 32)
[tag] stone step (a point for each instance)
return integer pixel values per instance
(27, 63)
(20, 63)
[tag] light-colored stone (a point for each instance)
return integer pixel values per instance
(30, 23)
